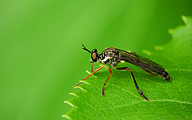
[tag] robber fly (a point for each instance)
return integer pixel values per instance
(111, 56)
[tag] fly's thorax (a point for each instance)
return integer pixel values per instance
(105, 58)
(109, 52)
(102, 56)
(109, 57)
(110, 61)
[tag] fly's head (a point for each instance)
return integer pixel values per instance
(94, 54)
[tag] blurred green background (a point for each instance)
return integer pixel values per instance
(41, 56)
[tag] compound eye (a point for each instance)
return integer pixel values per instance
(94, 55)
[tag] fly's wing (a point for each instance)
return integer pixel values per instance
(139, 61)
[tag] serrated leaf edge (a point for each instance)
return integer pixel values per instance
(185, 20)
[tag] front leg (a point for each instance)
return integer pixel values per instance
(91, 66)
(89, 75)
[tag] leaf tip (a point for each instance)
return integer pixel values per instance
(74, 94)
(81, 88)
(159, 48)
(83, 81)
(185, 19)
(69, 103)
(170, 31)
(88, 72)
(146, 52)
(66, 116)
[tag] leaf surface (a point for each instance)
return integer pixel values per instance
(169, 100)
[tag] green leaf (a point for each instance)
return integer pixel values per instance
(169, 100)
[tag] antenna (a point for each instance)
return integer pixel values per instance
(85, 48)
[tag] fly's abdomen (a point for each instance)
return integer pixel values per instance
(160, 72)
(166, 76)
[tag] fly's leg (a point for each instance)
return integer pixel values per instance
(106, 81)
(89, 75)
(133, 53)
(136, 85)
(91, 66)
